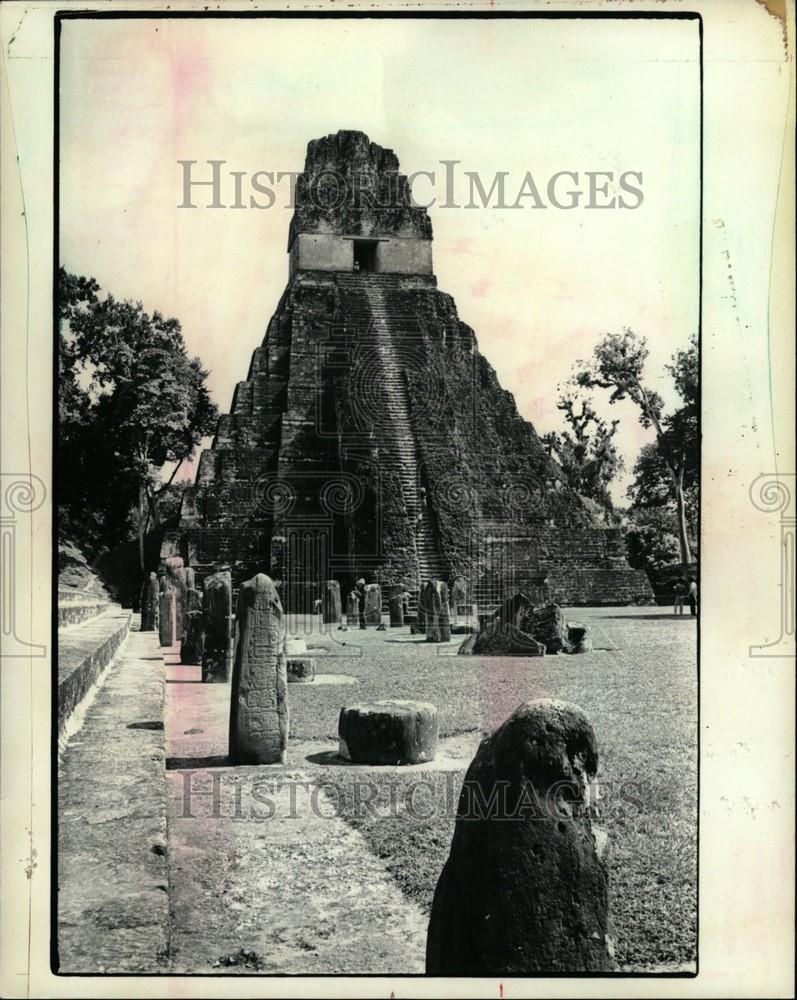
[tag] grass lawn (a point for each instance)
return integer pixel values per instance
(639, 689)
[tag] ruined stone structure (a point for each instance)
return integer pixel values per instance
(370, 437)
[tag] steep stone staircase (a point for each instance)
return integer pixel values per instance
(365, 300)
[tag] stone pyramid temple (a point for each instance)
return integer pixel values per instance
(370, 438)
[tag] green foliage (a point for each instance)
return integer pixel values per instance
(169, 501)
(130, 400)
(586, 452)
(669, 467)
(652, 489)
(651, 538)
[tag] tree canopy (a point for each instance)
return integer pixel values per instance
(586, 450)
(666, 470)
(131, 399)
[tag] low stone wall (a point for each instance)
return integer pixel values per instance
(74, 612)
(84, 653)
(576, 586)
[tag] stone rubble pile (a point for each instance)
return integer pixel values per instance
(517, 628)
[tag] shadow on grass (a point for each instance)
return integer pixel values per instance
(662, 617)
(190, 763)
(329, 758)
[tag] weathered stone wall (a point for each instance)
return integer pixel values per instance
(321, 252)
(352, 186)
(404, 256)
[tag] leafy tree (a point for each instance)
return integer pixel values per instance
(651, 538)
(652, 486)
(586, 452)
(131, 400)
(618, 364)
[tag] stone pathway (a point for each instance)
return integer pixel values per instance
(264, 877)
(113, 903)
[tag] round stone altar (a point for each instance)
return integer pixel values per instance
(388, 732)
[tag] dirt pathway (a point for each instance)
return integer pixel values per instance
(264, 877)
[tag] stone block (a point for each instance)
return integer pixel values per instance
(388, 732)
(301, 669)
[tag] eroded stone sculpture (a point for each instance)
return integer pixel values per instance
(259, 707)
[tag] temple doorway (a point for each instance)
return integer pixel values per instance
(365, 255)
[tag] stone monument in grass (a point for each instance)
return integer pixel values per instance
(524, 891)
(175, 574)
(191, 648)
(149, 604)
(396, 605)
(331, 609)
(259, 706)
(372, 611)
(167, 615)
(217, 613)
(437, 615)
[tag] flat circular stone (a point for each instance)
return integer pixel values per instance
(388, 732)
(301, 669)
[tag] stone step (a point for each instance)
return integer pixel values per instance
(402, 458)
(72, 613)
(68, 595)
(84, 651)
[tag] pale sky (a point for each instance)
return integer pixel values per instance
(538, 286)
